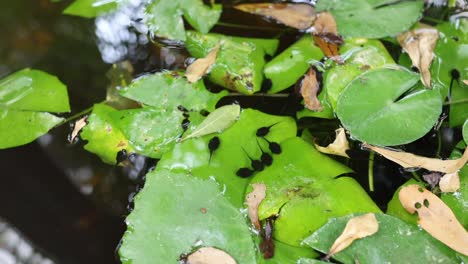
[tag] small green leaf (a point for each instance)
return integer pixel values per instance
(395, 242)
(372, 18)
(164, 18)
(177, 212)
(91, 8)
(216, 121)
(465, 131)
(379, 104)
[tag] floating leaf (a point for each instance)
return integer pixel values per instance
(338, 147)
(168, 90)
(409, 160)
(201, 66)
(253, 200)
(210, 255)
(164, 17)
(435, 217)
(357, 227)
(419, 44)
(300, 16)
(309, 89)
(177, 212)
(377, 105)
(450, 182)
(372, 18)
(25, 98)
(77, 126)
(91, 8)
(217, 121)
(286, 254)
(396, 241)
(326, 36)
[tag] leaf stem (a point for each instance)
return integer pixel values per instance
(75, 116)
(461, 101)
(370, 172)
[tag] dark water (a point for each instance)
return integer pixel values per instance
(64, 199)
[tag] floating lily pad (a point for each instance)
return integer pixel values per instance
(286, 254)
(91, 8)
(395, 242)
(379, 105)
(26, 97)
(372, 18)
(176, 213)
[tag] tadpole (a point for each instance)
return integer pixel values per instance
(266, 158)
(257, 165)
(274, 147)
(263, 131)
(213, 145)
(244, 172)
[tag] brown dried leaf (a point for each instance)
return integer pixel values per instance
(253, 200)
(465, 82)
(309, 90)
(419, 44)
(338, 147)
(450, 182)
(201, 66)
(409, 160)
(356, 228)
(326, 36)
(435, 217)
(210, 255)
(300, 16)
(79, 124)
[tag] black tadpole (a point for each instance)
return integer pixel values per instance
(257, 165)
(274, 147)
(244, 172)
(121, 156)
(266, 158)
(263, 131)
(213, 145)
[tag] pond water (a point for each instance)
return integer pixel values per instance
(64, 200)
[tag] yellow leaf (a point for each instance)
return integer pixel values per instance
(201, 66)
(435, 217)
(253, 200)
(357, 227)
(450, 182)
(210, 255)
(409, 160)
(309, 90)
(338, 147)
(419, 44)
(300, 16)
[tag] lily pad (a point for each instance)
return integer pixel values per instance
(239, 63)
(91, 8)
(378, 105)
(372, 18)
(395, 242)
(164, 18)
(303, 192)
(26, 97)
(168, 90)
(176, 213)
(286, 254)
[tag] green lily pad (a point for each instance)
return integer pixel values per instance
(285, 69)
(168, 90)
(395, 242)
(103, 134)
(25, 98)
(286, 254)
(193, 155)
(164, 18)
(176, 213)
(303, 191)
(239, 63)
(379, 104)
(91, 8)
(372, 18)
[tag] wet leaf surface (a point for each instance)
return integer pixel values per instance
(200, 67)
(338, 147)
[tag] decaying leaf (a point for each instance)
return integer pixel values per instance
(201, 66)
(79, 124)
(338, 147)
(409, 160)
(432, 178)
(435, 217)
(357, 227)
(253, 200)
(300, 16)
(326, 36)
(450, 182)
(210, 255)
(309, 90)
(419, 44)
(217, 121)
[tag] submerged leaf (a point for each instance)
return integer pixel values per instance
(338, 147)
(309, 89)
(450, 182)
(210, 255)
(419, 44)
(435, 217)
(201, 66)
(216, 121)
(409, 160)
(253, 200)
(357, 227)
(300, 16)
(326, 36)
